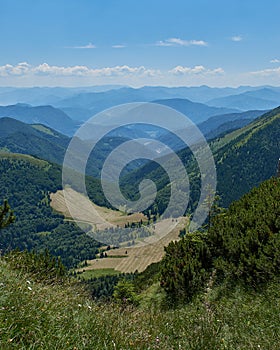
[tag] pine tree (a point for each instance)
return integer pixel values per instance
(6, 215)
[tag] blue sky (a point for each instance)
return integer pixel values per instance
(132, 42)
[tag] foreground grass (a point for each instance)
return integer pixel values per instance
(36, 315)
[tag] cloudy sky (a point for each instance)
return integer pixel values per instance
(133, 42)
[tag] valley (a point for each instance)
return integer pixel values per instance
(144, 253)
(125, 259)
(139, 175)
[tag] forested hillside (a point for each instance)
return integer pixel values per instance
(244, 158)
(250, 157)
(26, 183)
(240, 246)
(46, 143)
(48, 115)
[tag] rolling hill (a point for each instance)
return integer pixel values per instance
(37, 140)
(46, 143)
(47, 115)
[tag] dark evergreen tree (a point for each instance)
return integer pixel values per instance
(6, 215)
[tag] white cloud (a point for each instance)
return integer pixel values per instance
(88, 46)
(45, 69)
(19, 69)
(181, 42)
(275, 60)
(270, 72)
(118, 46)
(196, 70)
(237, 38)
(24, 74)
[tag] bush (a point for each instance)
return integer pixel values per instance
(186, 267)
(42, 266)
(246, 239)
(124, 293)
(242, 245)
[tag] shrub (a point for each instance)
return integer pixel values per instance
(245, 240)
(186, 267)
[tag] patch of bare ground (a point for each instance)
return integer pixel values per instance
(126, 259)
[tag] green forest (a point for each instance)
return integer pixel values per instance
(26, 183)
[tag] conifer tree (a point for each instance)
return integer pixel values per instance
(6, 215)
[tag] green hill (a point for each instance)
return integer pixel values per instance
(38, 140)
(244, 158)
(26, 183)
(247, 156)
(46, 143)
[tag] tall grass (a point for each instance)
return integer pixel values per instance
(36, 315)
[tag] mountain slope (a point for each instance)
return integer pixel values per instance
(244, 158)
(52, 314)
(43, 142)
(213, 126)
(47, 115)
(197, 112)
(260, 99)
(27, 182)
(97, 102)
(38, 140)
(248, 157)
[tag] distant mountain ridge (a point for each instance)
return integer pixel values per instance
(52, 95)
(216, 125)
(197, 112)
(97, 102)
(81, 103)
(47, 115)
(265, 98)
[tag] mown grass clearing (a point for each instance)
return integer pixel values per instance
(145, 252)
(88, 274)
(138, 257)
(89, 213)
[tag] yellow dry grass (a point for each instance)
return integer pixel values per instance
(146, 252)
(82, 210)
(137, 257)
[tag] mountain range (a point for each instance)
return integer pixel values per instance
(50, 95)
(264, 98)
(47, 115)
(244, 158)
